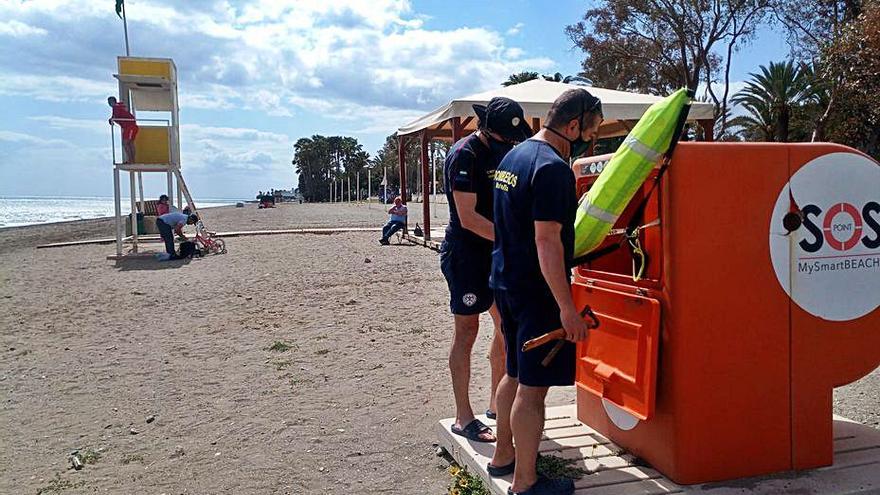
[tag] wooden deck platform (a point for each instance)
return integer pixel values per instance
(437, 236)
(156, 238)
(856, 466)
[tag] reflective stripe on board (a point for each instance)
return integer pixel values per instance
(598, 213)
(642, 149)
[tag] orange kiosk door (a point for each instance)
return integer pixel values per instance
(828, 266)
(618, 363)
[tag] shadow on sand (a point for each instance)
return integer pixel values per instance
(149, 264)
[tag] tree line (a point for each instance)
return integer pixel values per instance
(828, 89)
(336, 165)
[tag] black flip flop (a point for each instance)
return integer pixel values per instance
(547, 486)
(473, 430)
(490, 414)
(498, 471)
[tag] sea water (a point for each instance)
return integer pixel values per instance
(30, 210)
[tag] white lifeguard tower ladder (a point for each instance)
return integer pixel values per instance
(147, 84)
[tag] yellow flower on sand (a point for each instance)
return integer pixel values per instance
(454, 491)
(453, 470)
(463, 482)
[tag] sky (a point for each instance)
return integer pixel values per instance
(256, 75)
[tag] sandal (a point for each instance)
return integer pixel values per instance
(490, 414)
(547, 486)
(473, 430)
(498, 471)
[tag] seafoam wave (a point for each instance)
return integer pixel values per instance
(16, 211)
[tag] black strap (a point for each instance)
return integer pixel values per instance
(594, 255)
(637, 215)
(676, 137)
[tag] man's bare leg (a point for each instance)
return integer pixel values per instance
(504, 396)
(496, 357)
(128, 152)
(527, 425)
(466, 327)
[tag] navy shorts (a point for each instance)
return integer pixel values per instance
(466, 267)
(524, 316)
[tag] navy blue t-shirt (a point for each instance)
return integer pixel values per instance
(532, 183)
(469, 167)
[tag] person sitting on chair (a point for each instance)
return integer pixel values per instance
(129, 127)
(397, 221)
(171, 223)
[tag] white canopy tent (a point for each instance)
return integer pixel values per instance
(536, 97)
(457, 118)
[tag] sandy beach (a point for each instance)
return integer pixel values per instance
(300, 364)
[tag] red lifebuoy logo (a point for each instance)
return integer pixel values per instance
(843, 227)
(826, 254)
(835, 227)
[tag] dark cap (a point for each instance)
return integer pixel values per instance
(504, 117)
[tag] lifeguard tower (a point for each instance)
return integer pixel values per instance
(147, 85)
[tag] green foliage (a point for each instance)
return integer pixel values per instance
(851, 62)
(279, 346)
(58, 485)
(463, 483)
(520, 77)
(387, 160)
(321, 160)
(770, 98)
(549, 466)
(89, 456)
(556, 467)
(655, 46)
(130, 458)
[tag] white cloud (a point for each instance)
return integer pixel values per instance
(21, 138)
(65, 123)
(516, 29)
(233, 148)
(18, 29)
(56, 88)
(261, 53)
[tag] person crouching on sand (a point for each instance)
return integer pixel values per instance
(171, 223)
(129, 126)
(398, 221)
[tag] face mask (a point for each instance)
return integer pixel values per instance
(498, 148)
(577, 146)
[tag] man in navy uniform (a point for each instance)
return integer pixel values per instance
(466, 252)
(535, 206)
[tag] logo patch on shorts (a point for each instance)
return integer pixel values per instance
(469, 299)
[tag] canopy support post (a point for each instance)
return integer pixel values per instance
(456, 129)
(708, 126)
(401, 161)
(426, 205)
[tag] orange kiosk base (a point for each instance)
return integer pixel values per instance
(759, 297)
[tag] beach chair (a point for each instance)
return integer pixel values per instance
(150, 214)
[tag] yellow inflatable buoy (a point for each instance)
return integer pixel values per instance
(626, 172)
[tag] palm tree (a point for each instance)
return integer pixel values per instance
(770, 97)
(820, 99)
(519, 78)
(558, 77)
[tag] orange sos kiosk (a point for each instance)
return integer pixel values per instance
(760, 296)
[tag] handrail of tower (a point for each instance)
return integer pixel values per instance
(115, 122)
